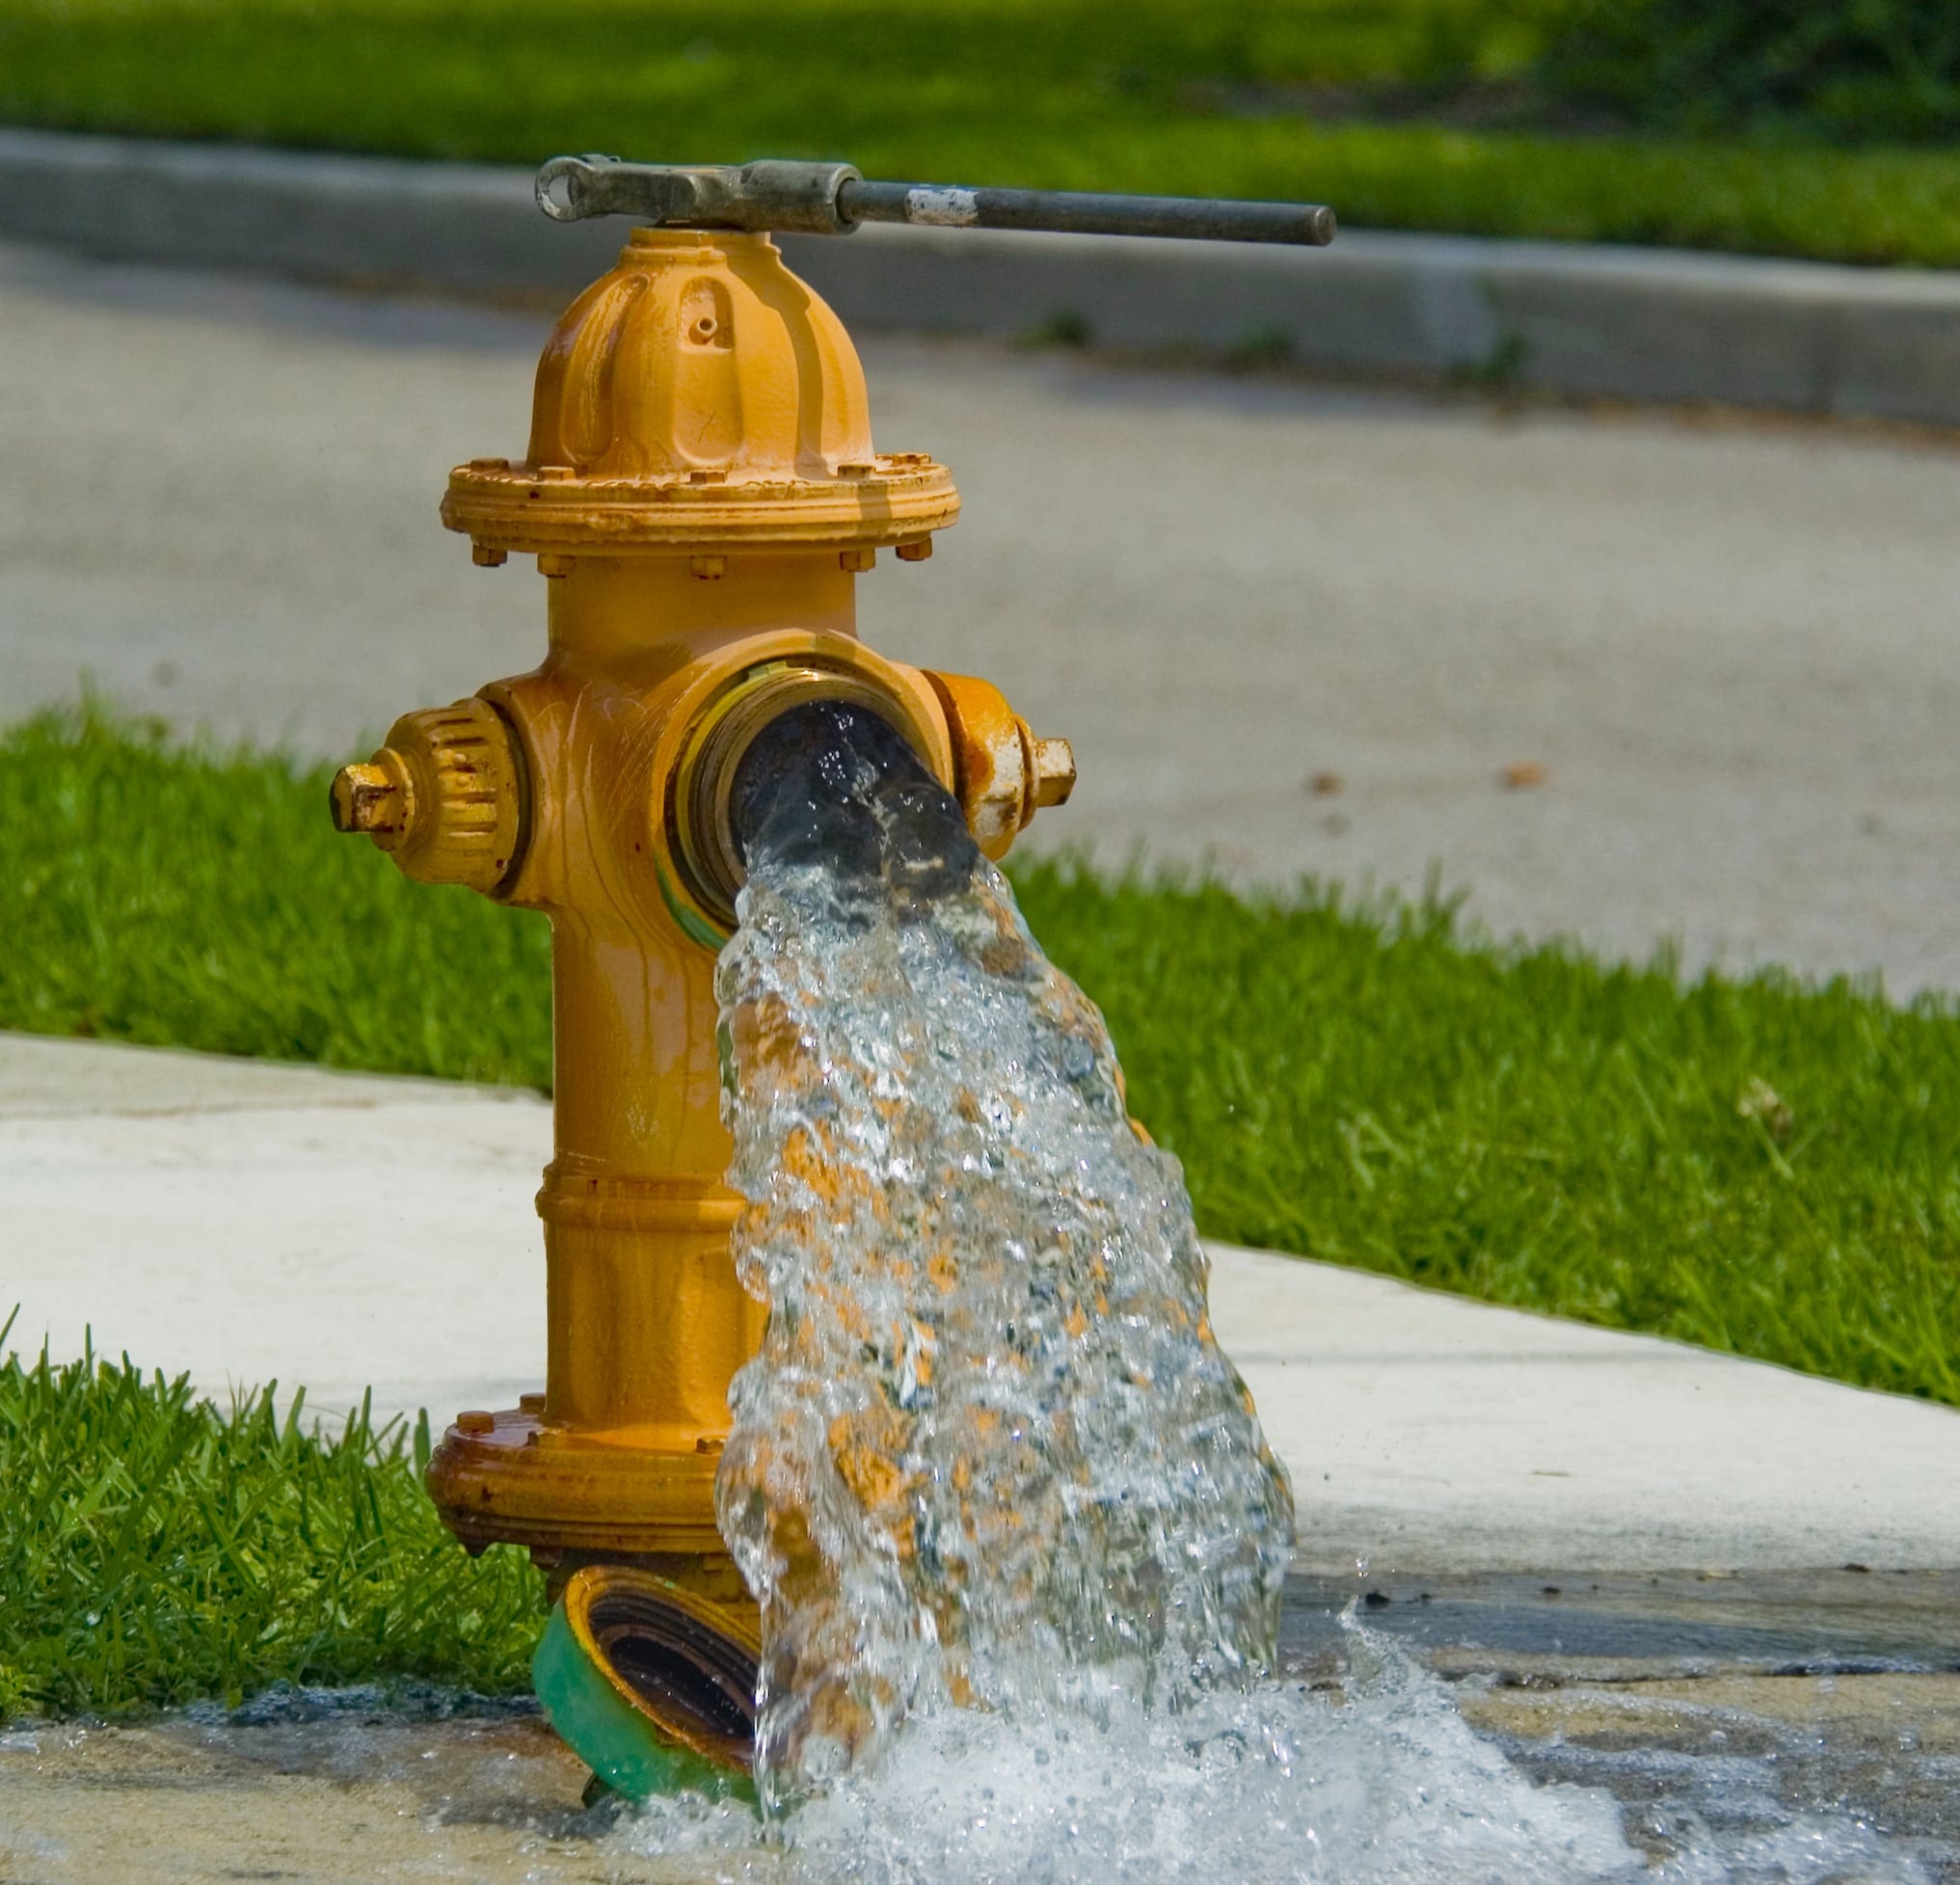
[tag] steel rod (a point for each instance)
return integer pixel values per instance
(1195, 219)
(833, 199)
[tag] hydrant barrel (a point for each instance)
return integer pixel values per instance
(702, 495)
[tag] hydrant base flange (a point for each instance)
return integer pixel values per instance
(527, 1483)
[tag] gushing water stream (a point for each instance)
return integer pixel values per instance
(1016, 1535)
(990, 1455)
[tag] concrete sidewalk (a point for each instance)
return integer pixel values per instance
(245, 1221)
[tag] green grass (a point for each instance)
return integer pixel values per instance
(1753, 1164)
(202, 899)
(1258, 98)
(154, 1550)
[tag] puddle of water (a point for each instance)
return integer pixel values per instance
(358, 1785)
(1690, 1622)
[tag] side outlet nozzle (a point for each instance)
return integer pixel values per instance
(444, 797)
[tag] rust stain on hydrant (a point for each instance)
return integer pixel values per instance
(702, 492)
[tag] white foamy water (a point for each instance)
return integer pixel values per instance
(1019, 1541)
(1382, 1784)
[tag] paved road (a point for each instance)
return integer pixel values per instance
(1730, 646)
(378, 1232)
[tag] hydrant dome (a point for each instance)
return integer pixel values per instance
(699, 395)
(699, 355)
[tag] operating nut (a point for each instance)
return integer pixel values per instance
(1053, 765)
(368, 797)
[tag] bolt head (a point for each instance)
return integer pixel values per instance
(915, 552)
(1053, 771)
(365, 798)
(476, 1421)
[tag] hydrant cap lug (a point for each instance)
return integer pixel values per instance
(1002, 772)
(1053, 771)
(366, 797)
(445, 796)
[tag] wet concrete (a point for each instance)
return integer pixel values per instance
(342, 1799)
(1724, 1703)
(1746, 1755)
(1523, 1629)
(1703, 1705)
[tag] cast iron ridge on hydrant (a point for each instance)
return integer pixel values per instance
(702, 490)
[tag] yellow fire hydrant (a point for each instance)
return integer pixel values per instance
(701, 493)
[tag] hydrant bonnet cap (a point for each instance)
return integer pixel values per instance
(699, 395)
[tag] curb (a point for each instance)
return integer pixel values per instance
(1567, 319)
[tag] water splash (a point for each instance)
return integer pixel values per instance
(1379, 1783)
(1017, 1538)
(990, 1453)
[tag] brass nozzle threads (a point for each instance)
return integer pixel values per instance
(699, 809)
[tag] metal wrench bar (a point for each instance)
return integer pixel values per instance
(833, 199)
